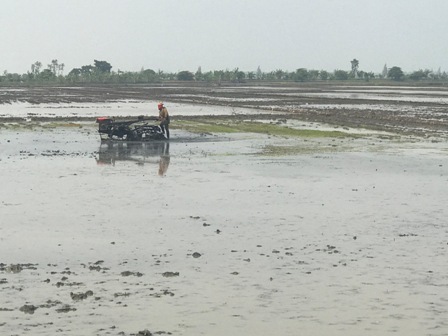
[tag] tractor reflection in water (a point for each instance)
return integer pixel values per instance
(139, 152)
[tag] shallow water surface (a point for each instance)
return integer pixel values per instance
(212, 238)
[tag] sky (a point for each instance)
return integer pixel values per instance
(177, 35)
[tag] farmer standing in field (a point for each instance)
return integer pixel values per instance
(164, 119)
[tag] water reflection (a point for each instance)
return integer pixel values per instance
(139, 152)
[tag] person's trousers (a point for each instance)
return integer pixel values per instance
(164, 125)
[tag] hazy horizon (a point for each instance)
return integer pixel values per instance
(174, 35)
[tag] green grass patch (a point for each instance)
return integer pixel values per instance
(220, 126)
(204, 127)
(31, 125)
(17, 126)
(276, 150)
(61, 124)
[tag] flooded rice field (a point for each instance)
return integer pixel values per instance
(418, 109)
(213, 234)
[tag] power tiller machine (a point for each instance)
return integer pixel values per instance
(129, 130)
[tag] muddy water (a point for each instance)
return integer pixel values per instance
(208, 237)
(115, 109)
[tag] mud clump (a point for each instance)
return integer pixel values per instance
(28, 309)
(65, 309)
(164, 292)
(13, 269)
(170, 274)
(16, 268)
(80, 296)
(129, 273)
(96, 266)
(146, 332)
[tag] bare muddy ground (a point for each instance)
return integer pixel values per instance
(214, 235)
(406, 109)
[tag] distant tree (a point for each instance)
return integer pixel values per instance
(27, 77)
(185, 76)
(170, 76)
(259, 73)
(230, 75)
(87, 69)
(60, 69)
(35, 68)
(301, 75)
(324, 75)
(368, 75)
(10, 77)
(355, 65)
(434, 75)
(56, 68)
(313, 74)
(240, 76)
(148, 75)
(161, 74)
(53, 67)
(395, 73)
(251, 75)
(268, 76)
(341, 75)
(149, 72)
(47, 75)
(124, 77)
(218, 75)
(198, 75)
(384, 72)
(279, 74)
(208, 76)
(75, 72)
(102, 66)
(419, 75)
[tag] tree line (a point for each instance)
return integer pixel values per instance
(101, 72)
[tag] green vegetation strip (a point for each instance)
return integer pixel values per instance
(31, 125)
(61, 124)
(276, 150)
(255, 127)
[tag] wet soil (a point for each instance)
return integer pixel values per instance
(406, 109)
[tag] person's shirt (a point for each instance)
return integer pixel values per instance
(163, 113)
